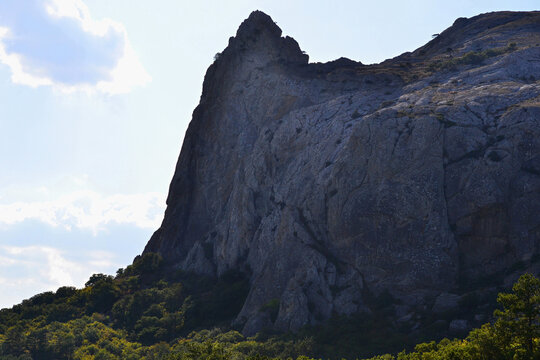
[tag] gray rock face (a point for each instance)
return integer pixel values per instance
(326, 183)
(445, 302)
(459, 326)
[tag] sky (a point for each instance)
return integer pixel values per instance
(95, 98)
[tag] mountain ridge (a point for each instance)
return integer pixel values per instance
(328, 184)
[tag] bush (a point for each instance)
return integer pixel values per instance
(471, 58)
(147, 264)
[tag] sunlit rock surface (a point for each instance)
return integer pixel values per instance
(328, 184)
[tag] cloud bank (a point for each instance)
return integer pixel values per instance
(57, 43)
(89, 210)
(35, 257)
(60, 233)
(25, 271)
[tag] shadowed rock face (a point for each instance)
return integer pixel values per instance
(326, 183)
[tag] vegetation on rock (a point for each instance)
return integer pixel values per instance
(146, 312)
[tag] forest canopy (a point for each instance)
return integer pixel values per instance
(145, 312)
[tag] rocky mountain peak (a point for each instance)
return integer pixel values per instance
(330, 185)
(486, 29)
(259, 36)
(257, 45)
(257, 23)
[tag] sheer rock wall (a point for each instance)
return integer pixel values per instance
(328, 183)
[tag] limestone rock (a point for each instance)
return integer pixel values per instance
(445, 302)
(330, 183)
(459, 326)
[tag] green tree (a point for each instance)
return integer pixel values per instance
(15, 340)
(148, 263)
(102, 291)
(518, 324)
(97, 278)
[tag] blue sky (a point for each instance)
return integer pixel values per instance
(96, 96)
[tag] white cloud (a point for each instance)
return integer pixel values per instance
(28, 270)
(56, 270)
(86, 209)
(57, 43)
(61, 232)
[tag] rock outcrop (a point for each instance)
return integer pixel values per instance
(329, 184)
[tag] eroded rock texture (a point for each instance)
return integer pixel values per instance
(329, 183)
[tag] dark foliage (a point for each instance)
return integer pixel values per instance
(147, 312)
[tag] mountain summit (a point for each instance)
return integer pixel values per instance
(331, 185)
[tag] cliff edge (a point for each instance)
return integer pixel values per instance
(330, 184)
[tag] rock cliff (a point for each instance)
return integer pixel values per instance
(330, 184)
